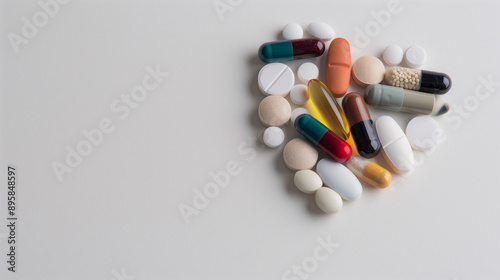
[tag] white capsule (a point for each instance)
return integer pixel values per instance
(307, 181)
(339, 178)
(328, 200)
(395, 146)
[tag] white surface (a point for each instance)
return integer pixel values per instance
(328, 200)
(321, 30)
(415, 56)
(307, 71)
(119, 209)
(423, 133)
(339, 178)
(299, 94)
(273, 137)
(395, 145)
(307, 181)
(276, 79)
(393, 55)
(292, 31)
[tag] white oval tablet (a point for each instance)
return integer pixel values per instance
(307, 71)
(423, 132)
(276, 79)
(299, 94)
(307, 181)
(273, 137)
(339, 178)
(297, 112)
(328, 200)
(395, 146)
(321, 30)
(415, 56)
(292, 31)
(393, 55)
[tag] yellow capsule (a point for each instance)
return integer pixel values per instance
(369, 172)
(325, 108)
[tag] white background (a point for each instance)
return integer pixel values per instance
(116, 215)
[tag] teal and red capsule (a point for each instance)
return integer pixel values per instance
(279, 51)
(323, 138)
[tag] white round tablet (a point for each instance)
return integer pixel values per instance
(393, 55)
(423, 133)
(273, 136)
(299, 94)
(297, 112)
(308, 71)
(276, 79)
(415, 56)
(292, 31)
(321, 30)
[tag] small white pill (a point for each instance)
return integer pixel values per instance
(328, 200)
(297, 112)
(307, 181)
(393, 55)
(276, 79)
(299, 94)
(415, 56)
(308, 71)
(321, 30)
(273, 137)
(423, 132)
(292, 31)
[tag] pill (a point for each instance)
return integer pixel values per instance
(338, 68)
(274, 111)
(368, 70)
(339, 178)
(369, 172)
(328, 108)
(328, 200)
(273, 137)
(395, 146)
(402, 100)
(415, 56)
(321, 30)
(276, 79)
(297, 112)
(323, 138)
(298, 154)
(308, 71)
(299, 94)
(423, 132)
(362, 127)
(287, 50)
(307, 181)
(420, 80)
(292, 31)
(393, 55)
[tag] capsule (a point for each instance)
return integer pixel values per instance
(362, 127)
(369, 172)
(403, 100)
(279, 51)
(419, 80)
(323, 138)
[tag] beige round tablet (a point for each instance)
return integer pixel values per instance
(300, 154)
(368, 70)
(274, 111)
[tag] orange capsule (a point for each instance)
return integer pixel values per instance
(338, 67)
